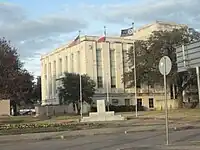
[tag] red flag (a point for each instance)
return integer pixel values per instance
(102, 39)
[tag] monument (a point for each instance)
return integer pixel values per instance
(102, 114)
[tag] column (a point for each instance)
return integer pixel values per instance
(106, 64)
(43, 81)
(54, 79)
(47, 73)
(119, 66)
(50, 79)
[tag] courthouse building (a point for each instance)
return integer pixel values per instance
(105, 63)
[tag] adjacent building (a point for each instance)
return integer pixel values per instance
(105, 63)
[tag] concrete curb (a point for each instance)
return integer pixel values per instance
(90, 132)
(163, 147)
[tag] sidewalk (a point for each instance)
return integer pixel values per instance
(89, 132)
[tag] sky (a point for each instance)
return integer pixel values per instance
(36, 27)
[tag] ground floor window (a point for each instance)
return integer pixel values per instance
(127, 102)
(139, 102)
(151, 103)
(115, 101)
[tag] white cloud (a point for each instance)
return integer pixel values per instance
(180, 11)
(17, 27)
(37, 36)
(33, 36)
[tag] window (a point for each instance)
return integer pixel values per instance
(45, 69)
(54, 84)
(98, 57)
(99, 82)
(171, 92)
(175, 91)
(115, 101)
(151, 103)
(54, 67)
(113, 82)
(138, 84)
(99, 69)
(72, 62)
(49, 72)
(112, 68)
(66, 63)
(78, 62)
(151, 85)
(127, 102)
(139, 102)
(60, 66)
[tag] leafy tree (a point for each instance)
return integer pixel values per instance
(36, 97)
(15, 82)
(69, 92)
(149, 52)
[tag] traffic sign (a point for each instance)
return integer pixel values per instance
(165, 65)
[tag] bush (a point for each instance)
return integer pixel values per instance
(121, 108)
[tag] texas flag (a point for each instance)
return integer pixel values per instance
(103, 38)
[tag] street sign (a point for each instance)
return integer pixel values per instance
(188, 56)
(165, 65)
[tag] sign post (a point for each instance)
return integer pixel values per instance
(165, 66)
(198, 82)
(188, 56)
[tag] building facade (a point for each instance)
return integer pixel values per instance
(105, 63)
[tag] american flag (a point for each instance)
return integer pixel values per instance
(75, 41)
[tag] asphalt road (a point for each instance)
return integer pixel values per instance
(129, 141)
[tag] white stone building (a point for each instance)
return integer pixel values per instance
(104, 62)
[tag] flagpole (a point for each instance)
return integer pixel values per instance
(107, 85)
(81, 98)
(135, 78)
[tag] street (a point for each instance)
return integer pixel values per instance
(137, 141)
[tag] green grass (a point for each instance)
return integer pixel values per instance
(18, 119)
(187, 114)
(31, 119)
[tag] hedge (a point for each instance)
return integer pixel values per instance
(121, 108)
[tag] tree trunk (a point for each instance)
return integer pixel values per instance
(14, 106)
(180, 99)
(78, 109)
(74, 107)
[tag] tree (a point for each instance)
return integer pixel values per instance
(36, 97)
(69, 92)
(15, 81)
(149, 52)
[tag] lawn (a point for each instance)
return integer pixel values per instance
(185, 114)
(29, 124)
(32, 119)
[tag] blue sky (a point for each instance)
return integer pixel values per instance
(36, 27)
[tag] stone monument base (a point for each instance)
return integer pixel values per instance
(101, 114)
(107, 116)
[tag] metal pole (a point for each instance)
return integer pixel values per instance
(166, 106)
(47, 109)
(107, 93)
(198, 83)
(107, 85)
(135, 74)
(81, 98)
